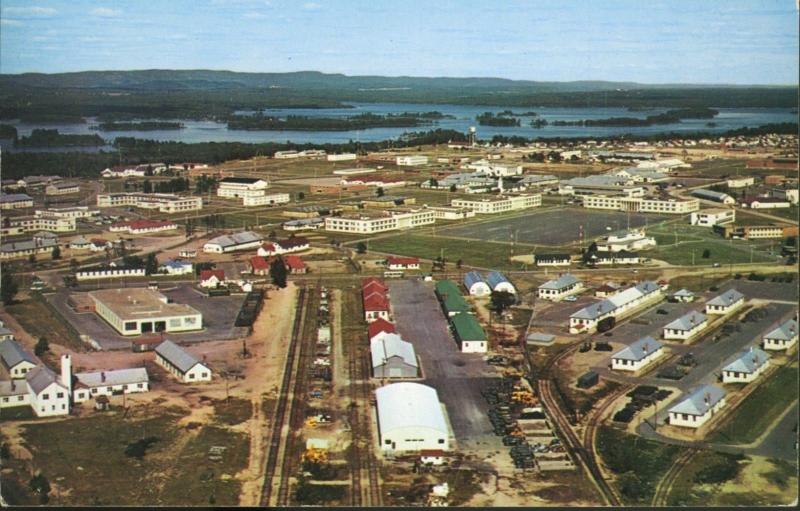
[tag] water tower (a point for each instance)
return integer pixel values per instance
(472, 136)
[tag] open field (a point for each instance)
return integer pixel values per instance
(473, 253)
(173, 469)
(553, 228)
(761, 408)
(677, 242)
(39, 320)
(637, 463)
(717, 479)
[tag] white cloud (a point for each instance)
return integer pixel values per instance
(5, 21)
(105, 12)
(34, 11)
(311, 6)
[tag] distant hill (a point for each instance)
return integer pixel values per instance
(164, 79)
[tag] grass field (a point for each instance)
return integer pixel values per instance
(691, 239)
(473, 253)
(174, 470)
(717, 479)
(39, 320)
(760, 408)
(638, 463)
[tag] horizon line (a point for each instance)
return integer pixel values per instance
(299, 71)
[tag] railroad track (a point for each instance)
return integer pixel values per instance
(363, 462)
(283, 411)
(584, 457)
(666, 483)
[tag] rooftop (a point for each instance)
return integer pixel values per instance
(177, 356)
(687, 321)
(139, 303)
(638, 350)
(12, 354)
(699, 400)
(726, 299)
(748, 361)
(114, 377)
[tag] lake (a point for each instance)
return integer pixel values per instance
(464, 117)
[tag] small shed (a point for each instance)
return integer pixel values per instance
(540, 338)
(588, 380)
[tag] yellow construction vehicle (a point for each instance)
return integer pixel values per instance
(311, 422)
(315, 455)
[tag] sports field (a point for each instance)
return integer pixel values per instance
(552, 228)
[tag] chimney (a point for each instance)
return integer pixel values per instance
(66, 373)
(707, 398)
(644, 348)
(102, 376)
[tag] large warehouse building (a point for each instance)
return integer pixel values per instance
(135, 311)
(411, 418)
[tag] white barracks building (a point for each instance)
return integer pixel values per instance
(134, 311)
(386, 221)
(501, 205)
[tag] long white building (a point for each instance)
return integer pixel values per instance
(181, 364)
(271, 199)
(163, 202)
(637, 355)
(411, 418)
(500, 204)
(698, 407)
(641, 205)
(747, 366)
(686, 327)
(14, 225)
(230, 243)
(712, 217)
(408, 161)
(240, 187)
(385, 221)
(557, 289)
(616, 306)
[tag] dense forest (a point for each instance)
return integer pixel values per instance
(163, 94)
(668, 117)
(52, 138)
(304, 123)
(501, 119)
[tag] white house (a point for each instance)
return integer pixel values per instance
(475, 284)
(392, 357)
(552, 259)
(402, 263)
(5, 333)
(109, 383)
(683, 295)
(17, 361)
(635, 239)
(698, 407)
(616, 306)
(741, 182)
(410, 418)
(559, 288)
(725, 303)
(48, 394)
(637, 355)
(285, 246)
(783, 337)
(181, 364)
(686, 326)
(210, 279)
(177, 267)
(747, 367)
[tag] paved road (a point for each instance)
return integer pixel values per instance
(456, 376)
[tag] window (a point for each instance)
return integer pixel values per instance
(205, 375)
(5, 400)
(130, 325)
(45, 396)
(441, 440)
(139, 385)
(191, 376)
(20, 398)
(387, 442)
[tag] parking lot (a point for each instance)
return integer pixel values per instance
(559, 227)
(457, 377)
(218, 312)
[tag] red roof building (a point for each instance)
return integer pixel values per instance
(208, 274)
(402, 263)
(294, 264)
(258, 265)
(378, 326)
(376, 302)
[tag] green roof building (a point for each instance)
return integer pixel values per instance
(469, 333)
(450, 296)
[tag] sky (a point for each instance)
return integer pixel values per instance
(650, 41)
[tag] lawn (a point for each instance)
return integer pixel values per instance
(761, 408)
(174, 470)
(639, 464)
(40, 320)
(694, 484)
(696, 240)
(473, 253)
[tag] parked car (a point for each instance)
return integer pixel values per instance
(571, 298)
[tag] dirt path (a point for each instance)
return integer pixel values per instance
(268, 345)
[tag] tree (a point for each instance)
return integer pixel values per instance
(459, 263)
(147, 186)
(301, 195)
(32, 258)
(42, 346)
(452, 188)
(501, 300)
(278, 272)
(706, 254)
(361, 247)
(434, 182)
(272, 235)
(8, 286)
(73, 265)
(56, 253)
(379, 191)
(40, 485)
(151, 266)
